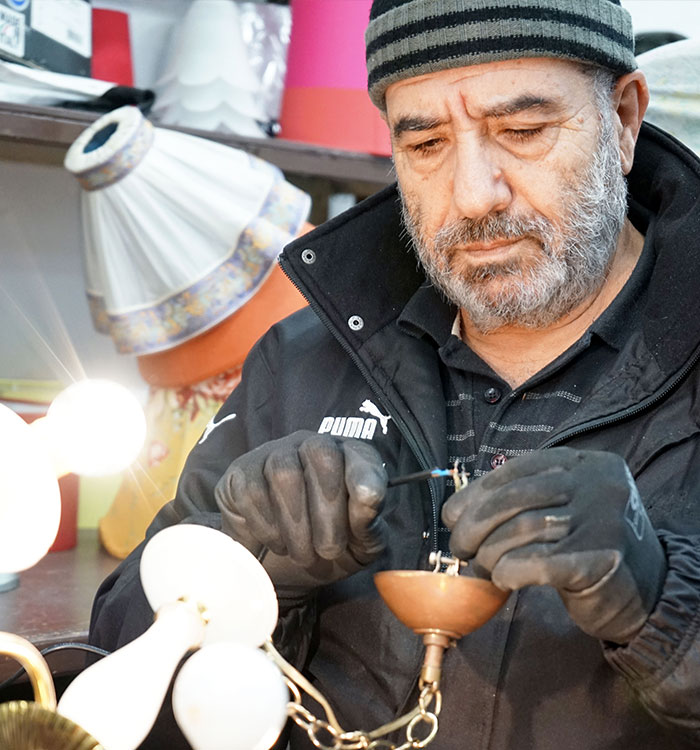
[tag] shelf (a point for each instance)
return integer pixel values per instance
(57, 128)
(53, 601)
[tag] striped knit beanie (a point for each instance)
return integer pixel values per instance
(407, 38)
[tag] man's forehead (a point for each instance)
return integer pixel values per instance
(491, 89)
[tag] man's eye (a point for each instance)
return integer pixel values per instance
(426, 147)
(520, 135)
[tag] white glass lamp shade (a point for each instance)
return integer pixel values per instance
(230, 697)
(30, 501)
(206, 567)
(118, 698)
(208, 82)
(95, 427)
(204, 588)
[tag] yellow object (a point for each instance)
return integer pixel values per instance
(186, 392)
(176, 419)
(30, 391)
(95, 495)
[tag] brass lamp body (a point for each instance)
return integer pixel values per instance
(442, 607)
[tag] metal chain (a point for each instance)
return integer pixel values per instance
(319, 730)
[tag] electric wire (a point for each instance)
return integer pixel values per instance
(67, 645)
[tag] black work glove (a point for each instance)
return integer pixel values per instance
(313, 502)
(571, 519)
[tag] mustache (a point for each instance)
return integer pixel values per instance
(492, 228)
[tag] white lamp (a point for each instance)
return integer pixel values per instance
(205, 588)
(93, 427)
(30, 501)
(179, 231)
(208, 82)
(229, 696)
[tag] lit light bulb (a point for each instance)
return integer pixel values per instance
(230, 697)
(30, 501)
(94, 427)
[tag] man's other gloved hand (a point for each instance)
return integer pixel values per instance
(312, 501)
(571, 519)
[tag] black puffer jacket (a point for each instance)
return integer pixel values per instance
(529, 678)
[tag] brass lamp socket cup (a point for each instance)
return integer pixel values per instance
(429, 602)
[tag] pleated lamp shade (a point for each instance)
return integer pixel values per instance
(179, 231)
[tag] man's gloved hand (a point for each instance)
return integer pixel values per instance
(312, 501)
(571, 519)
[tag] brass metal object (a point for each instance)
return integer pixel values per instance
(29, 725)
(25, 725)
(327, 734)
(442, 607)
(34, 664)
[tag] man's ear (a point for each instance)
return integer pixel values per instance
(630, 99)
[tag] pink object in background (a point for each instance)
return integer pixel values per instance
(325, 98)
(331, 32)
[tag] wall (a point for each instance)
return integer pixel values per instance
(47, 332)
(681, 16)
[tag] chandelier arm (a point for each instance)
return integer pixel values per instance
(298, 678)
(392, 726)
(34, 664)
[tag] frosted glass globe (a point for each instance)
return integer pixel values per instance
(30, 501)
(95, 427)
(117, 699)
(230, 697)
(207, 567)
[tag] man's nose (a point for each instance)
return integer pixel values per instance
(480, 186)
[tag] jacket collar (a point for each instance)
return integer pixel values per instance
(364, 272)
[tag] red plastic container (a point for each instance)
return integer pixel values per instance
(111, 47)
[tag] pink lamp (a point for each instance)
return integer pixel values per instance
(325, 96)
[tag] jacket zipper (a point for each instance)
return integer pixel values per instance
(413, 443)
(398, 420)
(625, 413)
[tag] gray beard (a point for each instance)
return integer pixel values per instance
(575, 256)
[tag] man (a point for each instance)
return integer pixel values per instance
(543, 342)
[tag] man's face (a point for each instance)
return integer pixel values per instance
(512, 186)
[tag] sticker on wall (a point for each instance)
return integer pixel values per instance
(12, 31)
(68, 22)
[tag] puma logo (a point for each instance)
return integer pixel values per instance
(211, 425)
(369, 408)
(356, 427)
